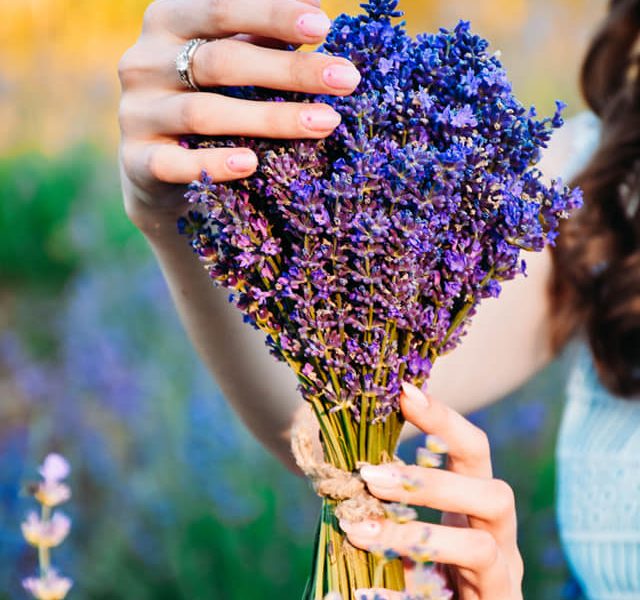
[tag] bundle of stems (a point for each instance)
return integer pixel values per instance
(363, 256)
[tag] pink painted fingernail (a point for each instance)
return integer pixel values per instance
(314, 24)
(361, 529)
(320, 119)
(381, 476)
(242, 162)
(341, 76)
(415, 395)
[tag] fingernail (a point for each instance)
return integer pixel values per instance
(361, 529)
(314, 24)
(382, 476)
(242, 162)
(320, 119)
(415, 395)
(341, 76)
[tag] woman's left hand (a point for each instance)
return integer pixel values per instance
(476, 544)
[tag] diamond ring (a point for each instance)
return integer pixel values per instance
(184, 63)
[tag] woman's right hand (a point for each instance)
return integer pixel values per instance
(248, 38)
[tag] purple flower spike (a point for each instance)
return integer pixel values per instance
(364, 255)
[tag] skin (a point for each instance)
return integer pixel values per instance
(156, 109)
(477, 539)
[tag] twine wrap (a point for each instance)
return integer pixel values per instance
(356, 504)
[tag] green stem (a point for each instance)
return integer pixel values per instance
(44, 557)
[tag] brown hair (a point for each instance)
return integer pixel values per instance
(596, 280)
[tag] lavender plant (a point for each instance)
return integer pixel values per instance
(364, 256)
(49, 529)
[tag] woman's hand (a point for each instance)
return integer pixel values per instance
(476, 543)
(247, 37)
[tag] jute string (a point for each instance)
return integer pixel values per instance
(355, 502)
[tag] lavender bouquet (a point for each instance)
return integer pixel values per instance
(363, 256)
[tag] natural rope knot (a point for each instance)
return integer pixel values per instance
(355, 502)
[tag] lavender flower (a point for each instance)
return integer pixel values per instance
(49, 529)
(51, 491)
(49, 587)
(430, 583)
(46, 533)
(431, 455)
(364, 256)
(400, 513)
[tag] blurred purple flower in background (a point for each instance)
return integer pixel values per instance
(146, 428)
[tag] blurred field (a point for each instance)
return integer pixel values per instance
(58, 83)
(173, 499)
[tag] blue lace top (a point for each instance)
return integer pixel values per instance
(598, 460)
(599, 486)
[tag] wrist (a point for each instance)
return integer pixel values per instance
(152, 221)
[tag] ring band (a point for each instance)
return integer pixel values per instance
(184, 63)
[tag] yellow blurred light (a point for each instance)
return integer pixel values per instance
(58, 84)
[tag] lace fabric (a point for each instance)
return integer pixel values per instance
(599, 485)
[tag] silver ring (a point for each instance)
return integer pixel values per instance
(184, 63)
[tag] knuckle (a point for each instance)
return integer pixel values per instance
(479, 444)
(125, 66)
(217, 56)
(274, 15)
(218, 13)
(153, 15)
(518, 568)
(503, 498)
(153, 164)
(132, 67)
(128, 161)
(298, 66)
(485, 549)
(192, 114)
(126, 117)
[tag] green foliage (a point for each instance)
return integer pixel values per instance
(44, 204)
(206, 558)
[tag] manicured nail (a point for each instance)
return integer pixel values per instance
(242, 162)
(381, 476)
(362, 529)
(314, 25)
(341, 76)
(414, 395)
(320, 119)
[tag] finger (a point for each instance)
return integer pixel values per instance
(217, 115)
(235, 63)
(468, 446)
(287, 20)
(488, 500)
(171, 163)
(265, 42)
(472, 549)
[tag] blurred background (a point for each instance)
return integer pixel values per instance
(172, 497)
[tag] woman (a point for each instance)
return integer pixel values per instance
(594, 273)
